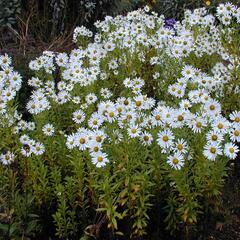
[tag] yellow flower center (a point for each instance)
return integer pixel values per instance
(231, 150)
(138, 103)
(236, 133)
(180, 147)
(157, 117)
(133, 130)
(165, 138)
(214, 137)
(213, 150)
(96, 149)
(199, 125)
(237, 119)
(212, 107)
(98, 139)
(129, 117)
(175, 161)
(82, 140)
(180, 118)
(119, 109)
(146, 138)
(111, 114)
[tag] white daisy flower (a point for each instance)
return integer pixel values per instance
(133, 131)
(48, 129)
(91, 98)
(100, 159)
(231, 150)
(197, 124)
(27, 150)
(221, 125)
(181, 146)
(235, 134)
(78, 116)
(7, 158)
(38, 149)
(165, 138)
(146, 138)
(176, 161)
(212, 150)
(235, 117)
(71, 141)
(214, 136)
(81, 141)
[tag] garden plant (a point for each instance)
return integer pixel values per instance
(132, 131)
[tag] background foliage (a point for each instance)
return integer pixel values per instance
(54, 17)
(8, 11)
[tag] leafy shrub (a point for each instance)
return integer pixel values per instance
(144, 117)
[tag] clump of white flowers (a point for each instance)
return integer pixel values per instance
(133, 115)
(10, 83)
(81, 32)
(145, 106)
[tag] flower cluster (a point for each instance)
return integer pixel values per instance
(10, 83)
(134, 115)
(227, 12)
(143, 118)
(81, 32)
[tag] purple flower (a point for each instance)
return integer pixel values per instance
(169, 23)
